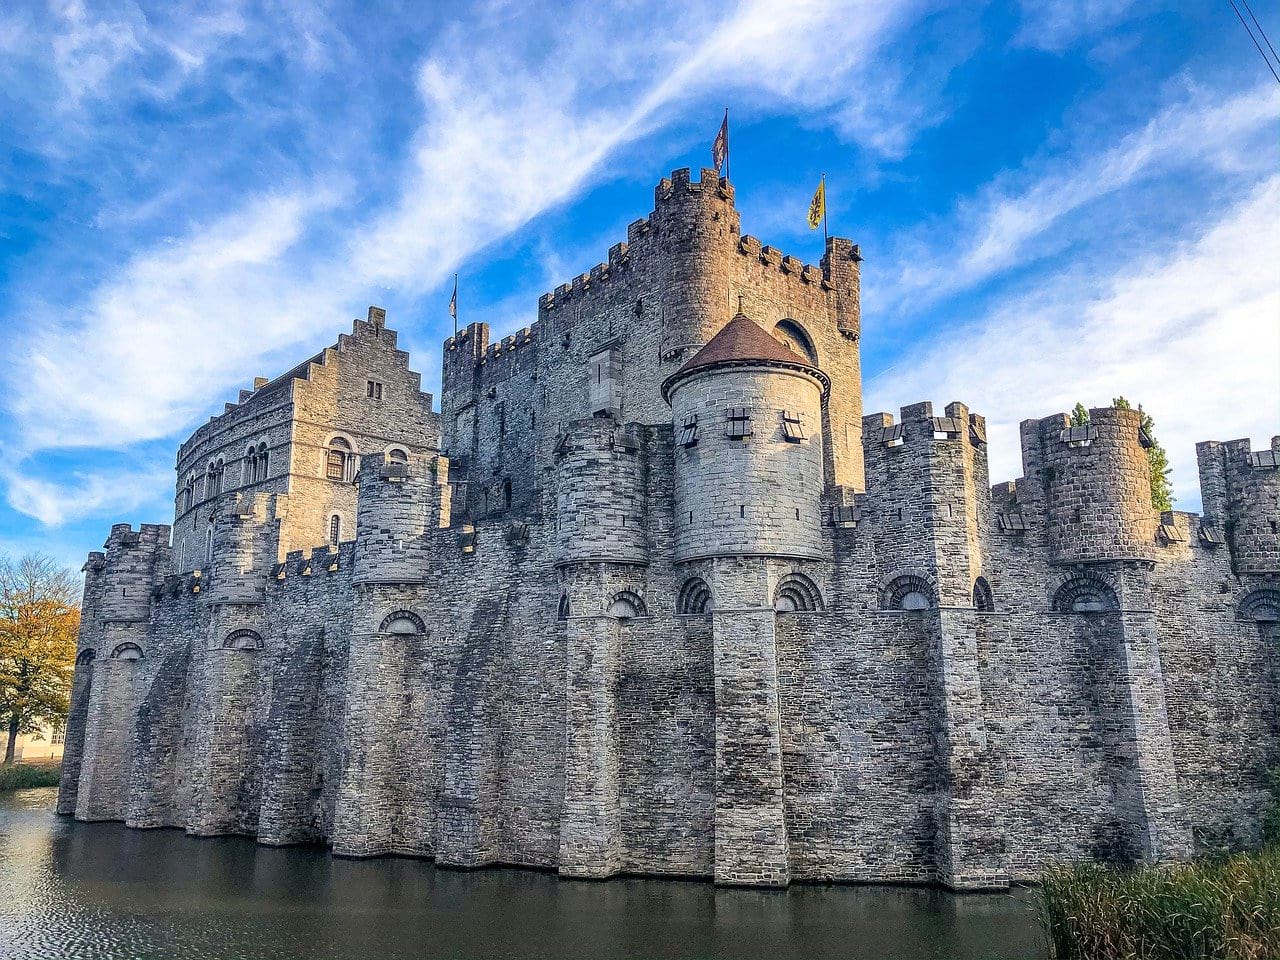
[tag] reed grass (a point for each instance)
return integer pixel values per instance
(1220, 908)
(23, 776)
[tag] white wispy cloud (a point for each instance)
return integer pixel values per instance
(173, 327)
(87, 494)
(497, 144)
(1193, 337)
(1056, 25)
(1015, 219)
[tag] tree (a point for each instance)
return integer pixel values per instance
(39, 620)
(1161, 489)
(1079, 416)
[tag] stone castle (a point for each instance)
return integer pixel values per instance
(650, 595)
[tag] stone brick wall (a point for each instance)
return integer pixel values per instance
(922, 678)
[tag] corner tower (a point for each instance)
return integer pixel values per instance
(747, 413)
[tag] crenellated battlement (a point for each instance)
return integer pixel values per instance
(673, 608)
(882, 435)
(1093, 485)
(398, 504)
(927, 486)
(600, 493)
(1240, 489)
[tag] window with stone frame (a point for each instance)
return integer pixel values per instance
(688, 431)
(793, 426)
(335, 529)
(338, 460)
(738, 423)
(373, 389)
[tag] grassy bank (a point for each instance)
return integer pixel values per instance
(22, 776)
(1225, 908)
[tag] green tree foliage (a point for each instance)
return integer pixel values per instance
(39, 620)
(1080, 416)
(1161, 489)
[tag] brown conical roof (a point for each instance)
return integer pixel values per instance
(741, 340)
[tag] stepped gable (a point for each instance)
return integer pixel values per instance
(742, 340)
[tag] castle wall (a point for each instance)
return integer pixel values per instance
(528, 656)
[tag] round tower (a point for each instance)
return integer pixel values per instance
(237, 569)
(600, 494)
(747, 413)
(129, 571)
(396, 504)
(696, 229)
(1097, 486)
(1240, 489)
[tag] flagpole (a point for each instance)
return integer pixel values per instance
(726, 143)
(455, 304)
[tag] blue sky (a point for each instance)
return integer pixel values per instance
(1056, 201)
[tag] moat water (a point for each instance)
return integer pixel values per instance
(72, 890)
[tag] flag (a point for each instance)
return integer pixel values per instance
(453, 303)
(720, 148)
(818, 205)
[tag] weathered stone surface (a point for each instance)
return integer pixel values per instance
(560, 631)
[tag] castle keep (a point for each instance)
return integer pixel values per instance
(650, 595)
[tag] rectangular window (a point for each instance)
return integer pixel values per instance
(688, 431)
(792, 427)
(373, 389)
(738, 423)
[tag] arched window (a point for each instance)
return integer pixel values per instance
(403, 623)
(339, 461)
(397, 455)
(85, 656)
(211, 480)
(335, 529)
(208, 544)
(1260, 606)
(249, 467)
(259, 453)
(242, 640)
(795, 337)
(506, 494)
(907, 592)
(1085, 594)
(626, 605)
(127, 651)
(562, 610)
(695, 597)
(983, 600)
(796, 593)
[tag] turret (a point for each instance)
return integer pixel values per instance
(397, 503)
(601, 503)
(924, 475)
(747, 415)
(1240, 490)
(841, 268)
(1095, 482)
(696, 227)
(134, 563)
(244, 549)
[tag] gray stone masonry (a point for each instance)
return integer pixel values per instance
(644, 599)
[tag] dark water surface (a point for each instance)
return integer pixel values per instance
(102, 890)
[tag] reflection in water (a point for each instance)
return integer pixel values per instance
(101, 890)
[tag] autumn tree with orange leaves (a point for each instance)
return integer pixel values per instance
(39, 620)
